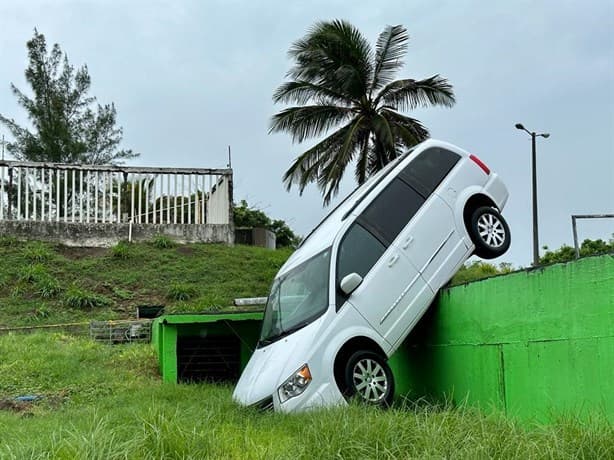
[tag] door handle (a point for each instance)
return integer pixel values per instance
(393, 260)
(407, 242)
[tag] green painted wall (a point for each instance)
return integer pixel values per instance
(166, 329)
(536, 344)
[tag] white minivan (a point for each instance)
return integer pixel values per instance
(351, 293)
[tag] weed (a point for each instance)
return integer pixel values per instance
(122, 293)
(8, 241)
(36, 251)
(32, 273)
(48, 287)
(76, 297)
(41, 312)
(180, 291)
(163, 242)
(121, 250)
(18, 291)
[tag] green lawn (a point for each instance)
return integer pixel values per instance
(107, 402)
(46, 284)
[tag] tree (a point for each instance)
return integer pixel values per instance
(67, 126)
(338, 80)
(567, 253)
(478, 270)
(244, 216)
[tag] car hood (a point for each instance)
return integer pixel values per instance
(270, 366)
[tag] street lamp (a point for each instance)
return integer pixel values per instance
(533, 135)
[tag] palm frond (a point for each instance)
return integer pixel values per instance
(360, 173)
(385, 139)
(389, 52)
(302, 92)
(336, 55)
(408, 131)
(306, 167)
(309, 121)
(409, 94)
(331, 174)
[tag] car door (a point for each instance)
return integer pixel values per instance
(392, 290)
(431, 241)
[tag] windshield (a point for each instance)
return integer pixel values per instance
(297, 298)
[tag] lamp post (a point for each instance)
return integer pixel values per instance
(533, 135)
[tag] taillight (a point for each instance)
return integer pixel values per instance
(479, 162)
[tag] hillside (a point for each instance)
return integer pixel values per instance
(49, 284)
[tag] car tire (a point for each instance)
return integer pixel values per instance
(369, 379)
(489, 232)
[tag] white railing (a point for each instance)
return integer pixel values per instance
(55, 192)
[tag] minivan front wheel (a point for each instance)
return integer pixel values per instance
(369, 378)
(489, 232)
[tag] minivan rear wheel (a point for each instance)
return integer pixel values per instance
(489, 232)
(369, 379)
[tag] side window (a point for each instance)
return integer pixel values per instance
(427, 171)
(391, 211)
(358, 252)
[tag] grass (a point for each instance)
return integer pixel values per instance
(107, 402)
(80, 284)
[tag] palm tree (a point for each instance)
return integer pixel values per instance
(336, 80)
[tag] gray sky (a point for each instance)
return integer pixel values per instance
(190, 77)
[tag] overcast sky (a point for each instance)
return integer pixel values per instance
(190, 78)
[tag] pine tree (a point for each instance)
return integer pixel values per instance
(68, 125)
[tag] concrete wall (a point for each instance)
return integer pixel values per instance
(83, 234)
(219, 202)
(261, 237)
(535, 344)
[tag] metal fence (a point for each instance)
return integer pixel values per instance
(56, 192)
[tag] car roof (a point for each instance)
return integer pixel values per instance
(324, 234)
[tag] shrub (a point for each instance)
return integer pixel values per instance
(37, 252)
(80, 298)
(163, 242)
(180, 291)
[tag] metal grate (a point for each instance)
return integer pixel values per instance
(214, 358)
(113, 332)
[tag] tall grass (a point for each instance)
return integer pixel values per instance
(107, 402)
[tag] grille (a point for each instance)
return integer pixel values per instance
(265, 404)
(211, 359)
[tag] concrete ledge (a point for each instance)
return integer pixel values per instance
(105, 235)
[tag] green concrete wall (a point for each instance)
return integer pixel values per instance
(536, 344)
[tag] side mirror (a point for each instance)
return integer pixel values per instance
(350, 282)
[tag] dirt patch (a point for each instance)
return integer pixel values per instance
(75, 253)
(15, 406)
(185, 250)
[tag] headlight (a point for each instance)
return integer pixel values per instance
(295, 384)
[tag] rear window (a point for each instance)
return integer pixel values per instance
(427, 170)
